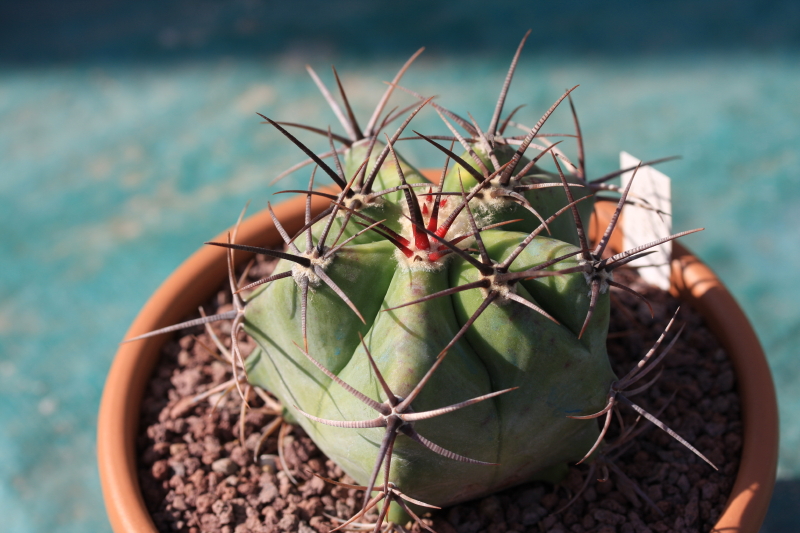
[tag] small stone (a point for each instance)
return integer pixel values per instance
(319, 524)
(532, 514)
(655, 492)
(203, 503)
(209, 522)
(469, 527)
(184, 358)
(177, 467)
(710, 491)
(177, 448)
(268, 460)
(490, 507)
(512, 514)
(725, 381)
(186, 342)
(223, 510)
(288, 522)
(303, 527)
(224, 466)
(314, 486)
(191, 464)
(530, 496)
(607, 517)
(226, 492)
(160, 470)
(549, 501)
(613, 506)
(268, 493)
(241, 456)
(179, 503)
(690, 512)
(549, 522)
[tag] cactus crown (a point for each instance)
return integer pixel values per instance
(471, 315)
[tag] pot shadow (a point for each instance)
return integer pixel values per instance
(783, 515)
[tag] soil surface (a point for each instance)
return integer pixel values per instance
(197, 476)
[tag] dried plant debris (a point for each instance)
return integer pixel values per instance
(197, 476)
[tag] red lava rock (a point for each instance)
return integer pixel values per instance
(607, 517)
(196, 477)
(241, 456)
(549, 501)
(288, 522)
(320, 524)
(209, 522)
(160, 470)
(268, 493)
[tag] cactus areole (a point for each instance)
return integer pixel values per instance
(439, 342)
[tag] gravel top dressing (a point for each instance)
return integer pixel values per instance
(196, 475)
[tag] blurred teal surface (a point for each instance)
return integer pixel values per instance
(128, 136)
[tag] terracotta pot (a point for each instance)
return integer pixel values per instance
(199, 277)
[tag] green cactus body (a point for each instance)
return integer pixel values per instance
(491, 207)
(510, 345)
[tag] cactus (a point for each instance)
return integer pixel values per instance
(439, 342)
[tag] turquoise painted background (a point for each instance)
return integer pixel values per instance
(128, 136)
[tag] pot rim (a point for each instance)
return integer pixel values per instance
(198, 277)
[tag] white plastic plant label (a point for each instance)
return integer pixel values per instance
(646, 218)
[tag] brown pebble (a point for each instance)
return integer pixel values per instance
(268, 493)
(549, 521)
(532, 514)
(288, 522)
(710, 491)
(607, 517)
(188, 439)
(224, 466)
(691, 512)
(241, 456)
(160, 470)
(209, 522)
(549, 501)
(725, 381)
(319, 524)
(489, 508)
(203, 502)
